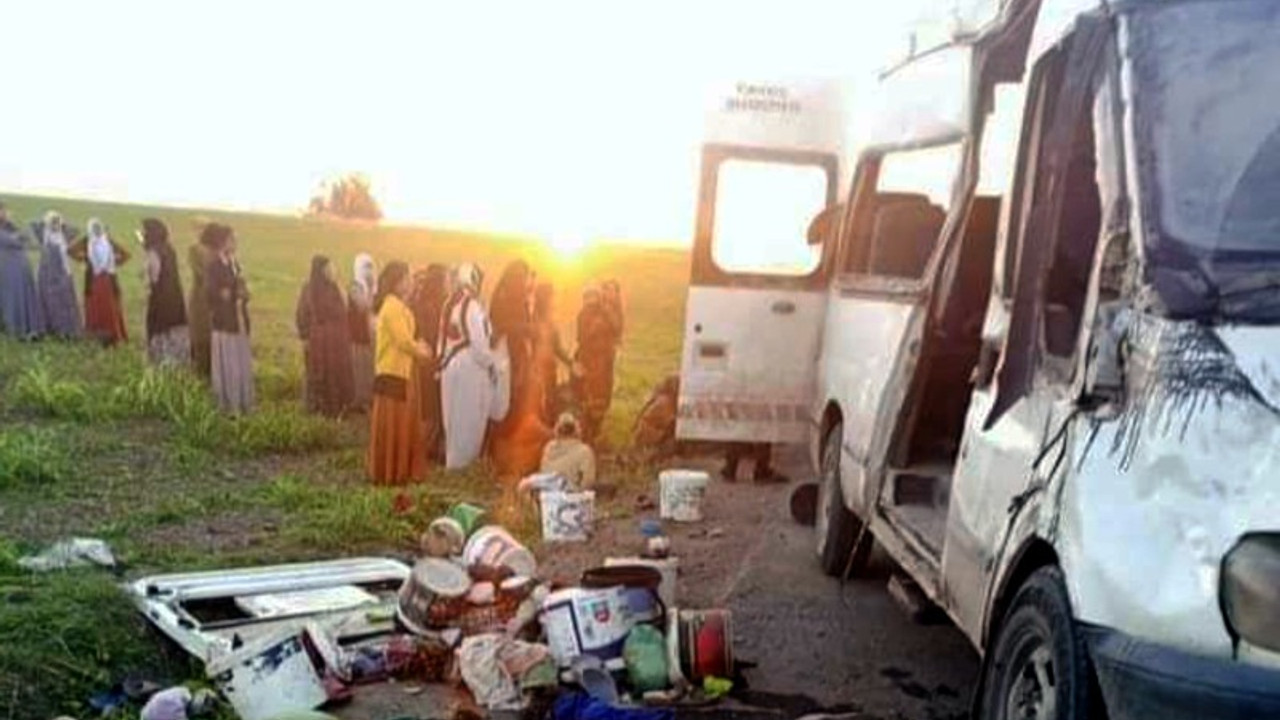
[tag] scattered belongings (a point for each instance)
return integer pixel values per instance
(680, 494)
(495, 668)
(656, 544)
(205, 612)
(178, 703)
(668, 568)
(703, 640)
(445, 537)
(582, 621)
(492, 546)
(281, 642)
(645, 653)
(432, 595)
(540, 482)
(73, 552)
(640, 587)
(470, 517)
(567, 516)
(269, 676)
(580, 706)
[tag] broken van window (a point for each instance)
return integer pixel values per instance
(901, 226)
(1208, 133)
(762, 215)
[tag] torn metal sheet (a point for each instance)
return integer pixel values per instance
(210, 613)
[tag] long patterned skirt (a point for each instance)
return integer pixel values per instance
(103, 316)
(232, 368)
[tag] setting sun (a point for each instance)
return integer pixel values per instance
(568, 244)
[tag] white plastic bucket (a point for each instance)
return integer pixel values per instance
(581, 621)
(680, 494)
(492, 546)
(567, 516)
(269, 677)
(669, 567)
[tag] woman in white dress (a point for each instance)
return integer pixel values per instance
(467, 370)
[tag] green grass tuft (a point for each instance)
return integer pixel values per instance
(65, 636)
(33, 457)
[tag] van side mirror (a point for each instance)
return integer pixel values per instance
(824, 224)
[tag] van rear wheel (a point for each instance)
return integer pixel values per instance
(1039, 668)
(836, 527)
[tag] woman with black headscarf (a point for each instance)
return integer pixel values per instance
(517, 439)
(431, 289)
(168, 339)
(230, 356)
(200, 255)
(322, 324)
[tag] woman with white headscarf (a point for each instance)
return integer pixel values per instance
(103, 312)
(56, 286)
(360, 327)
(467, 369)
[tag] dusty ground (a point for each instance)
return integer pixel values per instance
(844, 647)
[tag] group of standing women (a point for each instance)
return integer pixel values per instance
(210, 331)
(455, 380)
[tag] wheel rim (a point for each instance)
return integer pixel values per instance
(826, 499)
(1033, 686)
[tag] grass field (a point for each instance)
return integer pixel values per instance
(94, 443)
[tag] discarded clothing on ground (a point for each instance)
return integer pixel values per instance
(75, 552)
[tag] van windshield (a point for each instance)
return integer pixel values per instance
(1208, 126)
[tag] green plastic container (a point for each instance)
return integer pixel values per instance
(470, 517)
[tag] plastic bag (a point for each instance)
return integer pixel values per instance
(645, 653)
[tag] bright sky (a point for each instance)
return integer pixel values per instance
(542, 116)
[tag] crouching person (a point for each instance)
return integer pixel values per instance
(568, 456)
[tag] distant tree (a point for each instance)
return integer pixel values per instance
(348, 197)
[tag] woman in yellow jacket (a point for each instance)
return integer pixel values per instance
(397, 454)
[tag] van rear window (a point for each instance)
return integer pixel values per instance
(762, 214)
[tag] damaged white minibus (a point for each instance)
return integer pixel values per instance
(1036, 350)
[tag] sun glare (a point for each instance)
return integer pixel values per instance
(568, 245)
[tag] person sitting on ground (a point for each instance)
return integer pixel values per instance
(568, 456)
(654, 431)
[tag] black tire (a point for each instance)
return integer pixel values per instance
(1039, 665)
(836, 527)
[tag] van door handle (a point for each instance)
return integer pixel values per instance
(783, 307)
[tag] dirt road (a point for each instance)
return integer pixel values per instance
(816, 644)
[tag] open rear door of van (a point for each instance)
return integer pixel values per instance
(756, 303)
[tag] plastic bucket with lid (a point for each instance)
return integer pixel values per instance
(567, 516)
(640, 587)
(680, 494)
(494, 547)
(587, 621)
(469, 517)
(432, 580)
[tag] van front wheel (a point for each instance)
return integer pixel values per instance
(1039, 668)
(835, 527)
